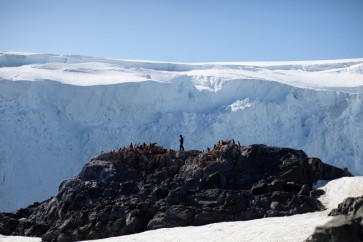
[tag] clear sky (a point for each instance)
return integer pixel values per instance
(186, 30)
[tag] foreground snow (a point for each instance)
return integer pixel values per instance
(289, 229)
(18, 239)
(57, 111)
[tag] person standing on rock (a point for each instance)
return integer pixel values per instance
(181, 140)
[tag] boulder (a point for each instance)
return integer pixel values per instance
(351, 206)
(346, 226)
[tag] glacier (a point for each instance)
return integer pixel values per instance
(57, 111)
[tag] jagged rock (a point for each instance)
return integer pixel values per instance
(146, 187)
(342, 228)
(175, 216)
(8, 225)
(346, 226)
(351, 206)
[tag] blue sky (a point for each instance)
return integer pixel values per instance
(185, 31)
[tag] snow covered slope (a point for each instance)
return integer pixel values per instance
(57, 111)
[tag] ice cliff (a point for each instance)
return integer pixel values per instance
(57, 111)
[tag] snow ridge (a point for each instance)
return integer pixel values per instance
(57, 111)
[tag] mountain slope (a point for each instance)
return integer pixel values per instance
(57, 111)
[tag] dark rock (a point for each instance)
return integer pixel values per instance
(259, 188)
(159, 193)
(50, 236)
(128, 188)
(346, 226)
(8, 225)
(305, 190)
(66, 236)
(37, 230)
(316, 193)
(148, 187)
(350, 206)
(191, 185)
(206, 218)
(215, 180)
(135, 222)
(341, 228)
(176, 196)
(176, 216)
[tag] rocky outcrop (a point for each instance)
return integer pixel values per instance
(346, 226)
(351, 206)
(147, 187)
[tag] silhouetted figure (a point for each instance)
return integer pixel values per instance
(131, 146)
(181, 140)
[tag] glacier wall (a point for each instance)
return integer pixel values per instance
(49, 129)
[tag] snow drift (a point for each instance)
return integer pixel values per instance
(57, 111)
